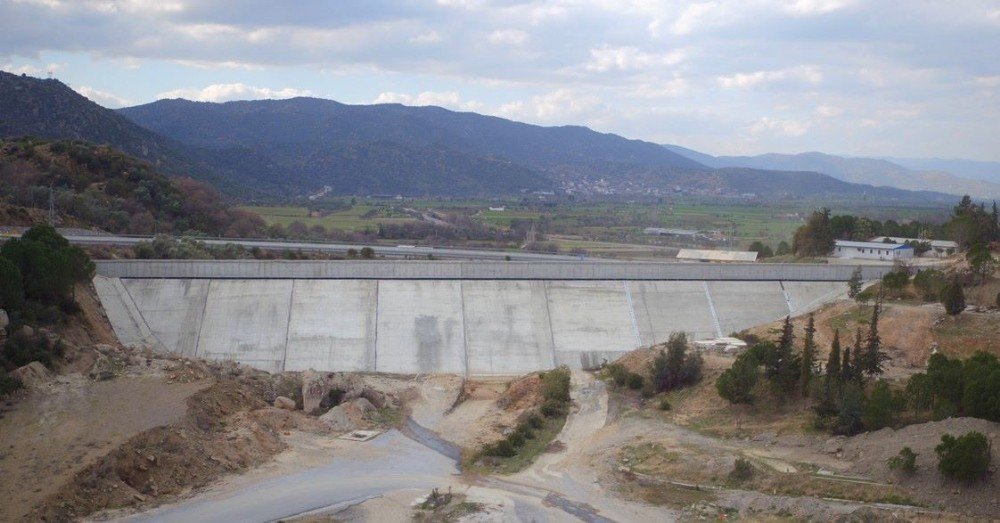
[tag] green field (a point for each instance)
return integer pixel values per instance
(599, 228)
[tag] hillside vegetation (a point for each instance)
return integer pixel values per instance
(101, 187)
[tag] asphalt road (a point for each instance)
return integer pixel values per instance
(340, 248)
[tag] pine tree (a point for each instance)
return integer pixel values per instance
(808, 357)
(874, 356)
(858, 359)
(854, 284)
(953, 297)
(846, 373)
(784, 369)
(833, 365)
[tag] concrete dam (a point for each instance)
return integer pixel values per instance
(466, 318)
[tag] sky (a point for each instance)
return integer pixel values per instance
(907, 78)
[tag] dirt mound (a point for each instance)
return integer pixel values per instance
(522, 393)
(227, 428)
(640, 361)
(870, 451)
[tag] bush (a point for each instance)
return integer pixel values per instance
(742, 470)
(552, 409)
(21, 349)
(998, 300)
(516, 439)
(674, 367)
(905, 461)
(737, 382)
(500, 449)
(929, 284)
(897, 279)
(367, 253)
(8, 384)
(953, 298)
(664, 404)
(535, 421)
(965, 458)
(555, 385)
(618, 374)
(635, 381)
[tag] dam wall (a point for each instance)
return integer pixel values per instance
(411, 323)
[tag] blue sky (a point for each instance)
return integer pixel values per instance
(887, 77)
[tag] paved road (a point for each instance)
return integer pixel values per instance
(339, 248)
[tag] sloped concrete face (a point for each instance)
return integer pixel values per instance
(662, 308)
(420, 327)
(466, 327)
(247, 321)
(590, 316)
(740, 305)
(507, 327)
(332, 325)
(173, 309)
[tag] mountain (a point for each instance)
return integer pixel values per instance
(870, 171)
(976, 170)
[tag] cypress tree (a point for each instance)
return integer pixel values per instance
(858, 359)
(808, 357)
(874, 356)
(833, 362)
(953, 297)
(846, 373)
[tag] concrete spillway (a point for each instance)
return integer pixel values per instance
(476, 327)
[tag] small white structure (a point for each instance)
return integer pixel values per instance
(708, 255)
(725, 345)
(501, 208)
(939, 248)
(872, 251)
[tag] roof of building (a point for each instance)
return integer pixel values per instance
(711, 255)
(665, 230)
(872, 245)
(943, 244)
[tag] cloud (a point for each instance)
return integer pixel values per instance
(515, 37)
(627, 58)
(430, 37)
(562, 106)
(803, 74)
(449, 99)
(104, 98)
(791, 128)
(32, 69)
(229, 92)
(815, 7)
(829, 111)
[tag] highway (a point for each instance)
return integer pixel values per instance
(338, 248)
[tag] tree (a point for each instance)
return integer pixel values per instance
(857, 360)
(874, 355)
(763, 251)
(953, 297)
(981, 261)
(737, 382)
(367, 253)
(783, 249)
(846, 372)
(11, 286)
(815, 238)
(851, 410)
(783, 365)
(878, 409)
(965, 458)
(833, 376)
(854, 284)
(674, 368)
(905, 461)
(808, 357)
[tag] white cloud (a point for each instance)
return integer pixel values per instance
(103, 97)
(815, 7)
(805, 74)
(627, 58)
(694, 16)
(515, 37)
(430, 37)
(229, 92)
(790, 128)
(562, 105)
(829, 111)
(449, 99)
(32, 70)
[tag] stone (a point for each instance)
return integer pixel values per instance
(102, 369)
(32, 375)
(27, 331)
(285, 403)
(347, 415)
(834, 445)
(4, 319)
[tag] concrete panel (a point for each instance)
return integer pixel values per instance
(664, 307)
(173, 309)
(741, 305)
(591, 316)
(124, 316)
(807, 296)
(587, 360)
(507, 327)
(332, 326)
(420, 328)
(246, 321)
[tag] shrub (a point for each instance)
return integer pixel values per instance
(635, 381)
(965, 458)
(500, 449)
(618, 374)
(555, 385)
(367, 253)
(674, 368)
(905, 461)
(8, 384)
(21, 349)
(953, 298)
(552, 409)
(929, 283)
(664, 404)
(897, 279)
(535, 421)
(516, 439)
(998, 300)
(742, 470)
(648, 391)
(737, 382)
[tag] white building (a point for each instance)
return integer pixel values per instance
(872, 251)
(939, 248)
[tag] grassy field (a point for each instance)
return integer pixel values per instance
(600, 228)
